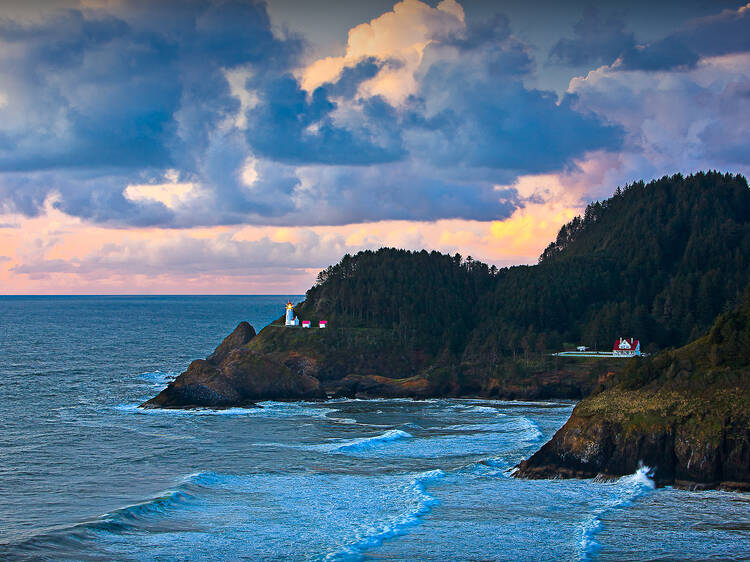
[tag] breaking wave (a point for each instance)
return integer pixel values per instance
(124, 520)
(367, 443)
(420, 503)
(528, 430)
(158, 378)
(627, 489)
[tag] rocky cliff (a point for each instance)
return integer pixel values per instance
(283, 363)
(684, 413)
(234, 375)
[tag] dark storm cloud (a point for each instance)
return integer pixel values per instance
(133, 98)
(352, 77)
(489, 118)
(603, 40)
(126, 92)
(722, 34)
(121, 97)
(76, 74)
(598, 40)
(291, 127)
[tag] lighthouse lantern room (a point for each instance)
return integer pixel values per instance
(291, 320)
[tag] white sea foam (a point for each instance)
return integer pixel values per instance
(158, 378)
(475, 427)
(420, 503)
(122, 520)
(627, 489)
(412, 425)
(367, 443)
(469, 408)
(492, 466)
(521, 427)
(266, 410)
(346, 421)
(558, 404)
(528, 429)
(136, 409)
(485, 410)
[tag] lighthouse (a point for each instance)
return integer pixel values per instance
(290, 319)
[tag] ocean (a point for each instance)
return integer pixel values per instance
(86, 475)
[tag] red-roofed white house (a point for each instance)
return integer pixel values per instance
(305, 323)
(626, 347)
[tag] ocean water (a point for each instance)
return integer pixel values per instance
(85, 474)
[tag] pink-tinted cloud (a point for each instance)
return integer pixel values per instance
(56, 253)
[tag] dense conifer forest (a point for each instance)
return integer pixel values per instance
(656, 261)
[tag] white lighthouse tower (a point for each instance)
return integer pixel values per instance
(290, 319)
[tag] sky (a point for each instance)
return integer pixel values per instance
(232, 146)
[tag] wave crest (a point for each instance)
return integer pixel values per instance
(421, 503)
(366, 443)
(628, 488)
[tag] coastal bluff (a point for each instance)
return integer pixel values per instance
(234, 375)
(683, 413)
(289, 363)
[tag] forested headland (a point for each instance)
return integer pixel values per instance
(657, 261)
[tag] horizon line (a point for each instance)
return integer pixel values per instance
(151, 295)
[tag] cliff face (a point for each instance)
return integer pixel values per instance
(234, 375)
(684, 413)
(704, 449)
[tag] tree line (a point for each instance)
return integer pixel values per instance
(656, 261)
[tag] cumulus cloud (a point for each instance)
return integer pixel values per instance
(399, 35)
(291, 127)
(92, 89)
(125, 94)
(184, 114)
(190, 114)
(606, 40)
(676, 121)
(498, 123)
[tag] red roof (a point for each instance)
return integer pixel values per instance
(630, 344)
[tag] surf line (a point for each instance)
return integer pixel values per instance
(421, 503)
(633, 486)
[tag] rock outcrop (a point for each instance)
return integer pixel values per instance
(680, 453)
(375, 386)
(234, 375)
(242, 334)
(684, 413)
